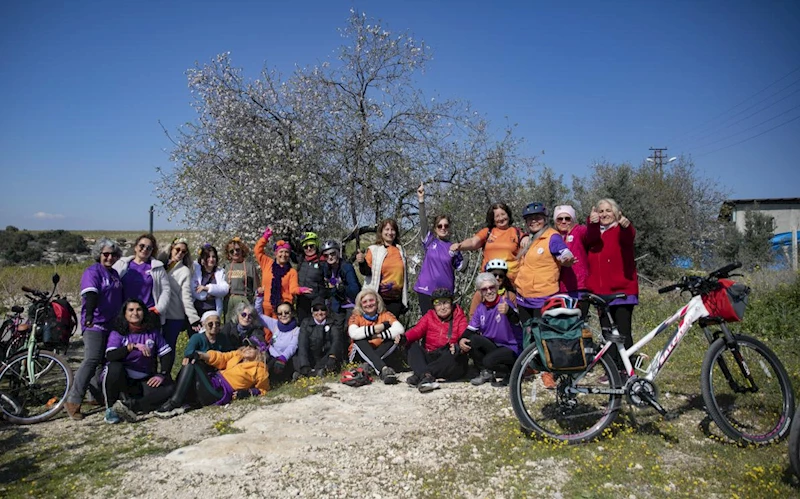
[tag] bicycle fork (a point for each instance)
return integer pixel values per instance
(733, 347)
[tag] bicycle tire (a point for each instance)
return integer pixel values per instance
(575, 418)
(794, 444)
(745, 416)
(42, 399)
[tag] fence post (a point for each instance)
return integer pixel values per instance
(794, 248)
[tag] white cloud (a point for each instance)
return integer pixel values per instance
(47, 216)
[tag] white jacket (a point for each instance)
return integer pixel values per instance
(379, 253)
(161, 286)
(218, 290)
(181, 302)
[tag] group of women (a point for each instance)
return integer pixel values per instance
(284, 321)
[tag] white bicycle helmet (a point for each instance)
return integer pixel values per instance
(497, 263)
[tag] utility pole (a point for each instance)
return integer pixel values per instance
(151, 219)
(658, 157)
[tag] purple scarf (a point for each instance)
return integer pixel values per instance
(278, 271)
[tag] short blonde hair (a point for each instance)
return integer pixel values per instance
(365, 292)
(614, 207)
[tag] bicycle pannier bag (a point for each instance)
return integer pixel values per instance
(728, 301)
(57, 323)
(563, 342)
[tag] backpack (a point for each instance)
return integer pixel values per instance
(355, 377)
(562, 341)
(728, 301)
(59, 323)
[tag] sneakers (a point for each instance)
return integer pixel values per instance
(388, 376)
(428, 384)
(73, 410)
(168, 410)
(548, 380)
(111, 417)
(484, 376)
(413, 380)
(501, 382)
(124, 412)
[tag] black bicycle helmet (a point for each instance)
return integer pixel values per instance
(534, 209)
(329, 245)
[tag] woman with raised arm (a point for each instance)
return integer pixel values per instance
(374, 333)
(439, 262)
(144, 276)
(499, 239)
(278, 278)
(242, 274)
(131, 351)
(612, 266)
(209, 283)
(384, 267)
(101, 297)
(181, 303)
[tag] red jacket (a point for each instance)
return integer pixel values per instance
(612, 266)
(434, 331)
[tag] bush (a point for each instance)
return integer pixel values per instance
(775, 312)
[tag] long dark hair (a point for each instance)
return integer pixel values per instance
(490, 214)
(150, 320)
(205, 252)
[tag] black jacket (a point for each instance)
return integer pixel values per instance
(317, 341)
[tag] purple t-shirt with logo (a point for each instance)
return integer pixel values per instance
(106, 283)
(496, 326)
(136, 364)
(437, 266)
(138, 283)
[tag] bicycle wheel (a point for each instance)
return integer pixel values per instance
(794, 444)
(750, 401)
(41, 399)
(570, 412)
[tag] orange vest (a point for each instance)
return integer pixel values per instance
(538, 271)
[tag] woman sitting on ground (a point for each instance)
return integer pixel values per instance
(433, 343)
(498, 268)
(239, 374)
(242, 325)
(375, 333)
(320, 347)
(208, 338)
(494, 336)
(283, 343)
(131, 368)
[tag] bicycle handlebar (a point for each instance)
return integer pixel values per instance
(726, 270)
(667, 289)
(35, 292)
(697, 284)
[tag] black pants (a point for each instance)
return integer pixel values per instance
(487, 355)
(278, 375)
(425, 303)
(193, 386)
(623, 317)
(303, 307)
(141, 396)
(374, 356)
(396, 307)
(440, 363)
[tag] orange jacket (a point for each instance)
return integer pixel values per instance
(289, 283)
(240, 374)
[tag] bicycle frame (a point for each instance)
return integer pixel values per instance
(687, 315)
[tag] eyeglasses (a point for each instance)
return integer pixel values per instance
(145, 247)
(439, 303)
(234, 250)
(488, 289)
(213, 325)
(564, 219)
(329, 254)
(443, 226)
(309, 246)
(245, 315)
(108, 254)
(283, 312)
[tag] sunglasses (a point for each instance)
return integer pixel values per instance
(108, 254)
(443, 226)
(439, 303)
(488, 289)
(234, 250)
(309, 246)
(245, 315)
(319, 309)
(145, 247)
(180, 251)
(564, 219)
(329, 254)
(283, 313)
(213, 324)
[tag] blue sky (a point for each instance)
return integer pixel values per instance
(85, 85)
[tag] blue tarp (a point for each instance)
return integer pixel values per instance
(783, 239)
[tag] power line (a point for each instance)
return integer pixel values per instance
(703, 124)
(749, 138)
(751, 128)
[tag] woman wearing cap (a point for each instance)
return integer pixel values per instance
(242, 274)
(217, 378)
(612, 265)
(493, 337)
(499, 239)
(384, 267)
(244, 326)
(210, 285)
(309, 274)
(572, 278)
(144, 277)
(101, 300)
(278, 278)
(319, 349)
(131, 350)
(440, 261)
(433, 343)
(375, 333)
(282, 344)
(208, 338)
(499, 269)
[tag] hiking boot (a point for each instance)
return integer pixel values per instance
(125, 412)
(73, 410)
(484, 376)
(501, 382)
(548, 381)
(388, 376)
(413, 380)
(428, 384)
(111, 417)
(169, 410)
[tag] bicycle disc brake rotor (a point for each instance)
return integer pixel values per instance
(639, 390)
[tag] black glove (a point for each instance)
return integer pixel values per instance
(279, 365)
(193, 356)
(242, 394)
